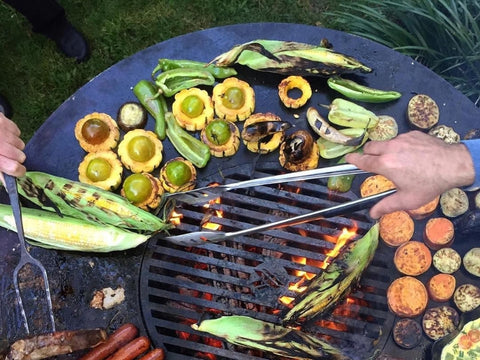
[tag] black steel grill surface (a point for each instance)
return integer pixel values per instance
(248, 275)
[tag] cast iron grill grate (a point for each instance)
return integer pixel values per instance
(249, 275)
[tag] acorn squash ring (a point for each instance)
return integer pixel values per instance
(102, 169)
(294, 82)
(97, 132)
(140, 151)
(233, 99)
(185, 101)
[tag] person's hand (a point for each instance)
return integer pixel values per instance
(421, 167)
(11, 148)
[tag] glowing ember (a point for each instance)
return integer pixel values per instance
(206, 223)
(175, 218)
(342, 240)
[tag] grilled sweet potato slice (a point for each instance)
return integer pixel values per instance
(396, 228)
(412, 258)
(407, 297)
(441, 287)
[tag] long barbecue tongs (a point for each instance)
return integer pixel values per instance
(204, 194)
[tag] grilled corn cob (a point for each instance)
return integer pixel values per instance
(265, 336)
(86, 202)
(338, 279)
(48, 230)
(290, 58)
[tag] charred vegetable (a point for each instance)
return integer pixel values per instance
(422, 112)
(131, 115)
(331, 150)
(54, 344)
(468, 223)
(172, 81)
(261, 335)
(386, 129)
(193, 108)
(86, 202)
(346, 113)
(290, 58)
(454, 202)
(217, 71)
(142, 190)
(446, 133)
(234, 99)
(322, 128)
(178, 174)
(102, 169)
(222, 137)
(140, 151)
(187, 145)
(97, 132)
(355, 91)
(290, 83)
(337, 280)
(299, 152)
(263, 132)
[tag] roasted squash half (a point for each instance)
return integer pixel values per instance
(290, 83)
(222, 137)
(193, 109)
(140, 151)
(268, 143)
(97, 132)
(143, 190)
(178, 174)
(233, 99)
(102, 169)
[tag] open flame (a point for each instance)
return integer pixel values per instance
(298, 287)
(206, 223)
(175, 218)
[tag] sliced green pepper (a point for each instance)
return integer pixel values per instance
(172, 81)
(331, 150)
(155, 104)
(341, 183)
(187, 145)
(355, 91)
(217, 71)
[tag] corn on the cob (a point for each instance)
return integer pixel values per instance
(86, 202)
(48, 230)
(290, 58)
(338, 279)
(269, 337)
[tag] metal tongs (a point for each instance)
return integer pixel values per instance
(25, 257)
(207, 193)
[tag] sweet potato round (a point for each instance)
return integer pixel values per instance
(407, 297)
(396, 228)
(441, 287)
(439, 233)
(375, 184)
(412, 258)
(424, 210)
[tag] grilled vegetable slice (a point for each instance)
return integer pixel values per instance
(233, 99)
(467, 297)
(263, 132)
(102, 169)
(471, 261)
(193, 109)
(86, 202)
(412, 258)
(140, 151)
(97, 132)
(396, 228)
(386, 129)
(299, 152)
(407, 297)
(178, 174)
(222, 137)
(132, 115)
(422, 112)
(440, 321)
(54, 344)
(454, 202)
(338, 279)
(290, 83)
(441, 287)
(446, 133)
(143, 190)
(290, 58)
(424, 210)
(269, 337)
(48, 230)
(346, 113)
(447, 260)
(439, 233)
(331, 150)
(407, 333)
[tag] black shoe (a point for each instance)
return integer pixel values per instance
(5, 107)
(69, 40)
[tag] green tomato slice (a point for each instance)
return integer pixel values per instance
(98, 169)
(178, 173)
(218, 132)
(137, 188)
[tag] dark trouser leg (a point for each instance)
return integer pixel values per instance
(42, 14)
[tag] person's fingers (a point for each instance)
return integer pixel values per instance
(12, 167)
(385, 206)
(8, 126)
(364, 162)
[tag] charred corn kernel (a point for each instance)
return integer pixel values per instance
(290, 58)
(346, 113)
(51, 231)
(337, 280)
(86, 202)
(355, 91)
(265, 336)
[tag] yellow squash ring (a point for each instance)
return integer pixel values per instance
(294, 82)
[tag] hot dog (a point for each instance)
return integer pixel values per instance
(122, 336)
(133, 349)
(155, 354)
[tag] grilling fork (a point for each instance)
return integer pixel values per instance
(207, 193)
(201, 237)
(25, 257)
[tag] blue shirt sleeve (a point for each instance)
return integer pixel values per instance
(474, 147)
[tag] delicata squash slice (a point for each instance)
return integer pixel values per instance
(222, 137)
(97, 132)
(290, 83)
(143, 190)
(263, 132)
(140, 151)
(193, 109)
(178, 174)
(233, 99)
(102, 169)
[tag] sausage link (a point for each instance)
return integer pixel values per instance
(155, 354)
(122, 336)
(133, 349)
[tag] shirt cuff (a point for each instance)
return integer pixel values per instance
(473, 147)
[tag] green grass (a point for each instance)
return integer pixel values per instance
(36, 78)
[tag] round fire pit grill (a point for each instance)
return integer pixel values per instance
(147, 273)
